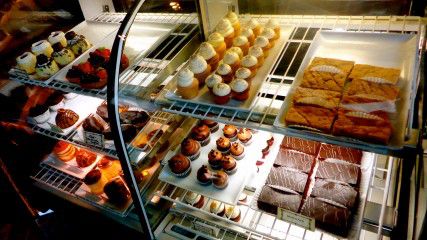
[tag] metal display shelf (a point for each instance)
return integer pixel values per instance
(274, 90)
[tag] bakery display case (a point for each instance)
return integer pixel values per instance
(234, 119)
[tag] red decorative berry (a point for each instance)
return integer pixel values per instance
(101, 73)
(86, 68)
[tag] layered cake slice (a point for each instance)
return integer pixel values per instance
(293, 159)
(341, 172)
(270, 199)
(300, 145)
(375, 74)
(311, 117)
(338, 193)
(335, 152)
(287, 180)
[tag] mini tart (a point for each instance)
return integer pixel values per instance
(222, 93)
(229, 164)
(190, 148)
(243, 43)
(245, 136)
(180, 165)
(226, 72)
(217, 208)
(214, 159)
(237, 151)
(200, 68)
(218, 43)
(64, 151)
(239, 89)
(233, 213)
(187, 85)
(204, 176)
(230, 132)
(194, 199)
(207, 51)
(213, 126)
(201, 133)
(220, 179)
(95, 181)
(251, 63)
(223, 144)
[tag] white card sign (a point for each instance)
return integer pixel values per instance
(207, 229)
(296, 219)
(94, 139)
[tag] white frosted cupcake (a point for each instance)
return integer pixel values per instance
(249, 34)
(207, 51)
(27, 62)
(225, 28)
(251, 63)
(231, 58)
(243, 43)
(254, 25)
(239, 89)
(222, 93)
(200, 68)
(225, 71)
(217, 208)
(56, 37)
(187, 85)
(236, 50)
(194, 199)
(258, 53)
(234, 20)
(270, 35)
(274, 24)
(45, 67)
(263, 43)
(42, 47)
(212, 80)
(218, 43)
(243, 73)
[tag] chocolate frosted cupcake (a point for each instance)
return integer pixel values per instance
(190, 148)
(213, 126)
(223, 144)
(180, 165)
(230, 132)
(220, 180)
(214, 159)
(229, 164)
(237, 151)
(40, 113)
(245, 136)
(201, 133)
(204, 176)
(55, 101)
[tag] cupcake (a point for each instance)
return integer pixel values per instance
(198, 65)
(249, 34)
(187, 85)
(239, 89)
(258, 53)
(42, 47)
(251, 63)
(232, 59)
(217, 208)
(62, 55)
(223, 145)
(230, 132)
(204, 176)
(254, 25)
(263, 43)
(237, 151)
(214, 159)
(95, 181)
(222, 93)
(180, 165)
(207, 51)
(229, 164)
(243, 73)
(270, 35)
(190, 148)
(40, 114)
(211, 80)
(213, 126)
(234, 20)
(220, 179)
(194, 199)
(243, 197)
(77, 43)
(57, 37)
(27, 62)
(45, 67)
(233, 213)
(236, 50)
(245, 136)
(218, 43)
(243, 43)
(273, 24)
(55, 101)
(226, 72)
(225, 28)
(201, 133)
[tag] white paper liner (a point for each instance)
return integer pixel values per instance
(326, 68)
(386, 106)
(377, 80)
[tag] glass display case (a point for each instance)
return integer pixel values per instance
(312, 111)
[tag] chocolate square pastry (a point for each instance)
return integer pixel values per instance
(286, 180)
(300, 145)
(341, 172)
(329, 151)
(270, 199)
(342, 194)
(293, 159)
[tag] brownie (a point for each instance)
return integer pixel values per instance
(341, 172)
(281, 178)
(293, 159)
(329, 151)
(301, 145)
(270, 199)
(340, 193)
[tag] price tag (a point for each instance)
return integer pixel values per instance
(94, 139)
(296, 219)
(206, 229)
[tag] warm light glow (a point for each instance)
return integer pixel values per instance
(145, 173)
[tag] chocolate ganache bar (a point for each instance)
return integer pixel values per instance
(270, 199)
(342, 172)
(329, 151)
(294, 159)
(301, 145)
(341, 194)
(287, 180)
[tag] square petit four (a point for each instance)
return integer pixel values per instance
(335, 152)
(270, 199)
(287, 180)
(342, 194)
(293, 159)
(341, 172)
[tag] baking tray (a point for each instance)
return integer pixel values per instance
(206, 98)
(237, 181)
(379, 49)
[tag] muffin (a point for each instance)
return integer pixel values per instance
(57, 37)
(223, 144)
(198, 65)
(258, 53)
(187, 85)
(109, 167)
(233, 213)
(66, 118)
(251, 63)
(27, 62)
(217, 208)
(236, 50)
(270, 35)
(95, 181)
(64, 151)
(40, 114)
(201, 133)
(222, 93)
(245, 136)
(211, 80)
(232, 59)
(237, 151)
(230, 132)
(234, 20)
(218, 43)
(180, 165)
(213, 126)
(194, 199)
(85, 158)
(226, 72)
(204, 176)
(220, 179)
(45, 67)
(263, 43)
(229, 164)
(254, 25)
(249, 34)
(239, 89)
(274, 24)
(62, 55)
(42, 47)
(117, 191)
(207, 51)
(243, 43)
(214, 159)
(225, 28)
(77, 43)
(243, 73)
(190, 148)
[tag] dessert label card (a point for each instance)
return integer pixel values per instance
(297, 219)
(94, 139)
(204, 228)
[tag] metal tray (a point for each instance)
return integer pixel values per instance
(379, 49)
(206, 98)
